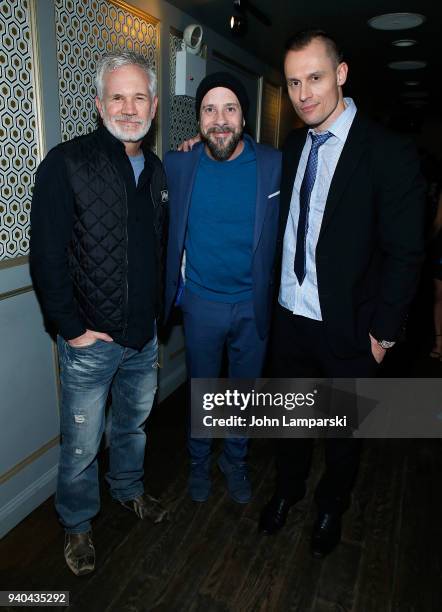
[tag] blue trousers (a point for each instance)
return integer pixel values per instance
(209, 327)
(86, 376)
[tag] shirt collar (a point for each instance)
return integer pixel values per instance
(341, 126)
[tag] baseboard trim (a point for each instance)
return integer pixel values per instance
(27, 500)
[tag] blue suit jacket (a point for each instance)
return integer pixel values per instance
(181, 170)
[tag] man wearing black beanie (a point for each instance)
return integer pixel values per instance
(221, 79)
(221, 149)
(224, 203)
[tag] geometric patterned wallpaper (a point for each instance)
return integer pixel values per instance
(86, 29)
(182, 122)
(19, 148)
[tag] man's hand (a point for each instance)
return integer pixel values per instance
(187, 145)
(377, 351)
(89, 338)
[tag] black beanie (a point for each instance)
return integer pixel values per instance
(221, 79)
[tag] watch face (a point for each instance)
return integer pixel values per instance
(386, 344)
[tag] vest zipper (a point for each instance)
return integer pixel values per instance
(126, 307)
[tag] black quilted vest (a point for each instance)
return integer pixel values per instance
(98, 250)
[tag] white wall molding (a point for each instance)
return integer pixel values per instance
(29, 498)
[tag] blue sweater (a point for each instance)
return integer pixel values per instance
(220, 227)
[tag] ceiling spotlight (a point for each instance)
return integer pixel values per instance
(396, 21)
(238, 21)
(238, 25)
(407, 65)
(404, 42)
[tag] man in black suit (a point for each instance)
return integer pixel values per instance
(350, 245)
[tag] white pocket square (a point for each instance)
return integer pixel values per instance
(272, 195)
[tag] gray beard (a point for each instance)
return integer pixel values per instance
(121, 135)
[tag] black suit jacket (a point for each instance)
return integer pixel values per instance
(371, 242)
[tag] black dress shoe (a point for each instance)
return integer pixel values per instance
(326, 534)
(274, 514)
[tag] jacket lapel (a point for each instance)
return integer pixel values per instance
(354, 147)
(188, 175)
(261, 193)
(290, 161)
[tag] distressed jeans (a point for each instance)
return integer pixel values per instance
(87, 374)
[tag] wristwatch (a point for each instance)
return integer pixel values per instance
(386, 344)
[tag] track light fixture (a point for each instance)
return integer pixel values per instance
(238, 24)
(238, 20)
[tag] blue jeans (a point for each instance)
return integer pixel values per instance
(86, 376)
(209, 327)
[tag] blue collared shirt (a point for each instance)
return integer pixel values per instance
(304, 299)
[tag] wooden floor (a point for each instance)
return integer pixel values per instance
(209, 557)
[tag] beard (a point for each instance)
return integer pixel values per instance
(221, 148)
(124, 134)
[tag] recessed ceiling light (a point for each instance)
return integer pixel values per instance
(412, 83)
(396, 21)
(404, 42)
(407, 65)
(416, 103)
(414, 94)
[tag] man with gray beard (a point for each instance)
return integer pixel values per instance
(224, 201)
(98, 213)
